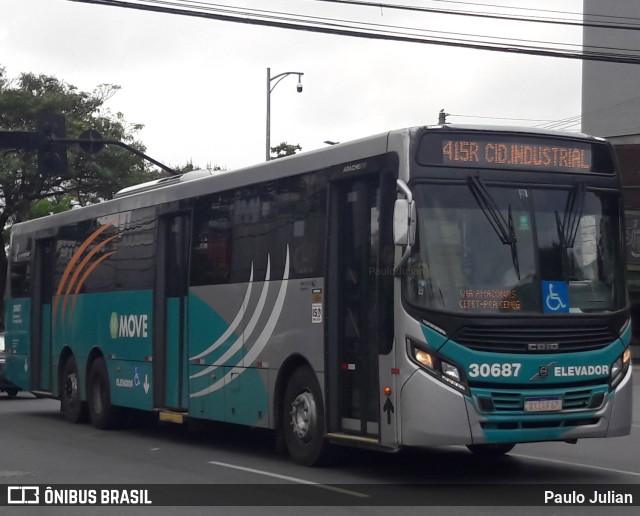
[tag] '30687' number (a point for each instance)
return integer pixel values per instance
(509, 370)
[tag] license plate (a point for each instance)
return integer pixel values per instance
(547, 404)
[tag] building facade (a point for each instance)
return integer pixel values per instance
(611, 109)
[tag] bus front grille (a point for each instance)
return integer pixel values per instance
(535, 339)
(510, 402)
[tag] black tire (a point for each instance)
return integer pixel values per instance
(491, 450)
(303, 419)
(102, 413)
(12, 392)
(71, 405)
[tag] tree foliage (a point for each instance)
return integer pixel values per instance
(284, 149)
(190, 167)
(24, 193)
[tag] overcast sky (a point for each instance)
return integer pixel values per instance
(199, 86)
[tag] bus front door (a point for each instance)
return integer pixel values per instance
(353, 297)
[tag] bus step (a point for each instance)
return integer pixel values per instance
(352, 439)
(42, 394)
(169, 416)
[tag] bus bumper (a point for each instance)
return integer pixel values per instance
(622, 407)
(612, 419)
(432, 413)
(435, 414)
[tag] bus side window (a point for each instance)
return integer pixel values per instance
(20, 279)
(135, 259)
(211, 253)
(302, 223)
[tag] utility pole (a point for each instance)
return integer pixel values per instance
(269, 90)
(442, 117)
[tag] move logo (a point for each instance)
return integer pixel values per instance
(129, 326)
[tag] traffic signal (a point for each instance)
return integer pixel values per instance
(51, 133)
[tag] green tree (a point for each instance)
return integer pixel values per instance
(284, 149)
(190, 167)
(24, 193)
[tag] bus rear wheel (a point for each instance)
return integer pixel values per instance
(103, 415)
(491, 450)
(303, 419)
(72, 407)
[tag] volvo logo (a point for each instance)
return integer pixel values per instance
(543, 346)
(543, 371)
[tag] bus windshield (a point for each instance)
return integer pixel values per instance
(495, 249)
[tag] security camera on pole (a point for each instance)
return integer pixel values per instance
(269, 90)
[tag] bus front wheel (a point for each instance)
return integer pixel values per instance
(303, 418)
(491, 450)
(71, 405)
(103, 415)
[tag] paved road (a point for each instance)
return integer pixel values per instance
(38, 447)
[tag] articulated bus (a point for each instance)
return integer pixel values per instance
(445, 285)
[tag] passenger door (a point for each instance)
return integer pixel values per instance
(41, 315)
(170, 350)
(358, 302)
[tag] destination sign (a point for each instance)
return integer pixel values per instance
(517, 154)
(483, 150)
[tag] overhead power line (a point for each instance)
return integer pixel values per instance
(493, 16)
(563, 123)
(537, 9)
(361, 30)
(503, 118)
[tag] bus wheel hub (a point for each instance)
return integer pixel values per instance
(303, 415)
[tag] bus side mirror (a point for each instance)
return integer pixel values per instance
(404, 222)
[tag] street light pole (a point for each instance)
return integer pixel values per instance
(269, 90)
(268, 157)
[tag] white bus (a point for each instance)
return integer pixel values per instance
(440, 285)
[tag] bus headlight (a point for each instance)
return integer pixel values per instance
(423, 358)
(619, 368)
(438, 367)
(451, 371)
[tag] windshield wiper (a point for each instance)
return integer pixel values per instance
(568, 227)
(503, 228)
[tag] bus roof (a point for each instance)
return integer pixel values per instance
(199, 182)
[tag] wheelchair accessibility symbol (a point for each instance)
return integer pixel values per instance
(555, 297)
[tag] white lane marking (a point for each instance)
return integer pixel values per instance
(290, 479)
(588, 466)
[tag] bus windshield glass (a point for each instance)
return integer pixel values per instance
(489, 249)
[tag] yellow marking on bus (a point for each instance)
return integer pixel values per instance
(171, 417)
(357, 438)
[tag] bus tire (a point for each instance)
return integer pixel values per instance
(72, 407)
(491, 450)
(303, 419)
(102, 413)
